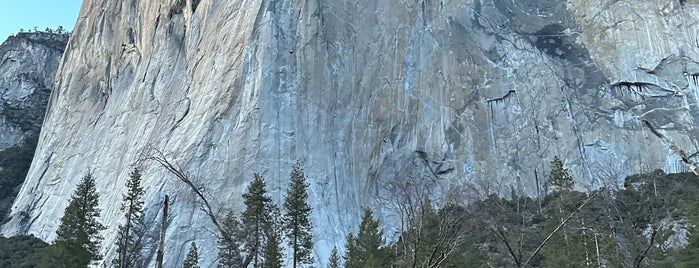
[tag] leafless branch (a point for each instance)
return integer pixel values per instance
(158, 156)
(531, 257)
(673, 147)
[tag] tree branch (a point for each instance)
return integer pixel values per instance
(156, 155)
(674, 148)
(531, 257)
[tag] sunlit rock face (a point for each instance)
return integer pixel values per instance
(28, 63)
(475, 94)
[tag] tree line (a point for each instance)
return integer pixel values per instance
(58, 30)
(627, 226)
(257, 233)
(649, 221)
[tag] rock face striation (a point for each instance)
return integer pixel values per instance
(28, 64)
(468, 94)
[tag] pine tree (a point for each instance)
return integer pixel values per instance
(352, 252)
(192, 260)
(297, 224)
(78, 239)
(559, 177)
(229, 253)
(334, 261)
(130, 237)
(365, 250)
(273, 254)
(255, 219)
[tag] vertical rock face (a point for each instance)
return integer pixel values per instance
(28, 64)
(362, 93)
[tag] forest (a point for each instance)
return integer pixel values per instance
(648, 221)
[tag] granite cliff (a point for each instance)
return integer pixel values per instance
(28, 64)
(478, 93)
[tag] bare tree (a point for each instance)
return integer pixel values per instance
(154, 154)
(163, 228)
(673, 147)
(428, 236)
(609, 173)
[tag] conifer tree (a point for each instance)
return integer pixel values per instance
(255, 220)
(78, 239)
(352, 252)
(192, 260)
(296, 219)
(273, 254)
(334, 261)
(229, 250)
(366, 250)
(559, 177)
(130, 237)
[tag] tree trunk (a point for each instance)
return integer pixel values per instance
(674, 148)
(163, 227)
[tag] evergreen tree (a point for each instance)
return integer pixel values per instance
(689, 256)
(64, 256)
(559, 177)
(297, 224)
(365, 250)
(352, 252)
(334, 261)
(192, 260)
(255, 220)
(229, 254)
(78, 239)
(20, 251)
(273, 253)
(130, 237)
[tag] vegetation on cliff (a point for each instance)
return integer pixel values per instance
(14, 165)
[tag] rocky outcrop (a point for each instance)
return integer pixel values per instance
(28, 64)
(478, 93)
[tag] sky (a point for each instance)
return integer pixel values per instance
(18, 14)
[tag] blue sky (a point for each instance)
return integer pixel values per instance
(17, 14)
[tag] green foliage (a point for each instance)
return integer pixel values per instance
(21, 251)
(131, 234)
(14, 165)
(432, 238)
(334, 261)
(27, 120)
(689, 256)
(192, 260)
(64, 255)
(78, 238)
(507, 230)
(229, 252)
(429, 236)
(366, 249)
(626, 228)
(297, 225)
(559, 177)
(578, 243)
(256, 219)
(649, 206)
(273, 254)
